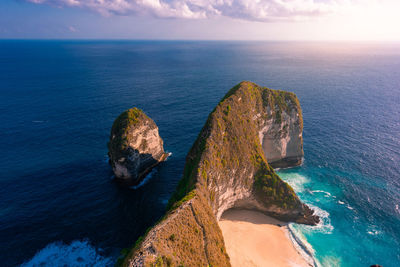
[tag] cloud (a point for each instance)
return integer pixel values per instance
(254, 10)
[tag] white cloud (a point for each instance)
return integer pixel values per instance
(257, 10)
(252, 10)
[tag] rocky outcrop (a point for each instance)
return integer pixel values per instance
(227, 167)
(135, 146)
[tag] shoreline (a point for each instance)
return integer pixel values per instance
(302, 247)
(254, 239)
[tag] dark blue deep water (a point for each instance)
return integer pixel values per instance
(58, 100)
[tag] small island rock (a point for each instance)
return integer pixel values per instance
(135, 146)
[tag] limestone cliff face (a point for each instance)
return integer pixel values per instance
(135, 146)
(227, 167)
(281, 130)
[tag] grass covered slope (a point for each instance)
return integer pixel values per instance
(225, 168)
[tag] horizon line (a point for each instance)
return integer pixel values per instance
(199, 40)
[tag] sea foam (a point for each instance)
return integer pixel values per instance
(145, 180)
(299, 240)
(301, 245)
(324, 225)
(327, 194)
(169, 155)
(295, 180)
(78, 253)
(149, 176)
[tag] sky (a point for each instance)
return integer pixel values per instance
(298, 20)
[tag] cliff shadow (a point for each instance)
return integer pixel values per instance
(250, 215)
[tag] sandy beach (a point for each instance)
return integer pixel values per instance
(254, 239)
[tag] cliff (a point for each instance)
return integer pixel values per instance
(281, 129)
(225, 168)
(135, 146)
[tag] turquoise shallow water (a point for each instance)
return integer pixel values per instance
(59, 205)
(347, 234)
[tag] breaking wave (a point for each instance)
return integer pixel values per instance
(78, 253)
(324, 225)
(295, 180)
(327, 194)
(301, 245)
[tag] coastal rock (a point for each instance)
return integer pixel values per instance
(135, 146)
(227, 167)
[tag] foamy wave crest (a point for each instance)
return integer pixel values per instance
(331, 261)
(373, 230)
(145, 180)
(295, 180)
(327, 194)
(78, 253)
(347, 205)
(300, 242)
(301, 245)
(169, 155)
(324, 225)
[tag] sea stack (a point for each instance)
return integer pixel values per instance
(228, 167)
(135, 146)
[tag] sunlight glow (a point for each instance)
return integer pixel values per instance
(370, 20)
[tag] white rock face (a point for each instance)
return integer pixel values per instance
(236, 194)
(230, 193)
(282, 141)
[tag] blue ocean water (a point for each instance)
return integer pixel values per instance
(59, 204)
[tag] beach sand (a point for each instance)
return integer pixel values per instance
(254, 239)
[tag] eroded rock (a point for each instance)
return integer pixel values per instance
(135, 146)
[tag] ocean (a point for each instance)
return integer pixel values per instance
(60, 206)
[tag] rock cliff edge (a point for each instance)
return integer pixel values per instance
(227, 167)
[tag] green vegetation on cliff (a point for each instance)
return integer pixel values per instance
(281, 101)
(119, 142)
(230, 138)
